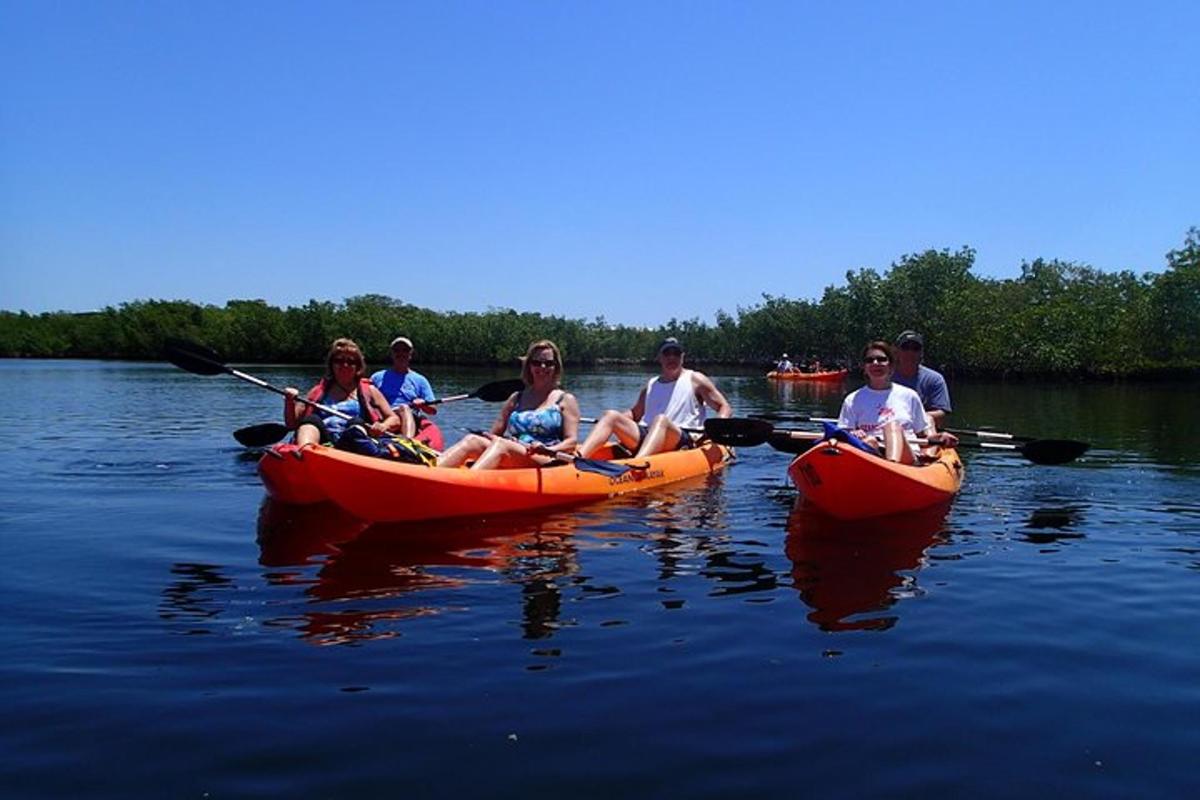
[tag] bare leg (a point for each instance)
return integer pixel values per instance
(895, 444)
(610, 423)
(307, 434)
(662, 436)
(505, 453)
(408, 421)
(463, 450)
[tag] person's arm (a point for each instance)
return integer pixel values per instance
(639, 407)
(708, 393)
(389, 422)
(937, 403)
(426, 396)
(291, 408)
(501, 421)
(570, 414)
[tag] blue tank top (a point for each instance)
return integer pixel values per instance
(337, 425)
(543, 425)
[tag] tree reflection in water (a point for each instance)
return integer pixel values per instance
(850, 572)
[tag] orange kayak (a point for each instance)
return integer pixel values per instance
(388, 491)
(829, 375)
(287, 479)
(847, 483)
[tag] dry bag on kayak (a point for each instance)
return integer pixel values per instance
(355, 439)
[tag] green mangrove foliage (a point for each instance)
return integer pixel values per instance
(1055, 318)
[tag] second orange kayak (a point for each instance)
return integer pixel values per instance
(387, 491)
(847, 483)
(828, 375)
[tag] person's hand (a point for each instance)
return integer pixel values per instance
(944, 439)
(377, 429)
(859, 433)
(418, 404)
(291, 392)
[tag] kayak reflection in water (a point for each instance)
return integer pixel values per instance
(541, 418)
(885, 415)
(674, 401)
(346, 388)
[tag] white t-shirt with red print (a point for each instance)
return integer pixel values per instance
(868, 410)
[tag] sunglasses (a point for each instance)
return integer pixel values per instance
(877, 360)
(911, 346)
(672, 351)
(345, 362)
(543, 364)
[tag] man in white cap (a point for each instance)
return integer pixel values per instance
(677, 399)
(928, 383)
(784, 365)
(405, 389)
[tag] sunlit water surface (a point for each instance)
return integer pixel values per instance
(168, 633)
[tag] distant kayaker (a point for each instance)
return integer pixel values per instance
(675, 400)
(405, 389)
(887, 415)
(346, 388)
(541, 418)
(928, 383)
(785, 364)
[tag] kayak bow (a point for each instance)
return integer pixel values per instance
(847, 483)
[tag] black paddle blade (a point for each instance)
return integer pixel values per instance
(264, 435)
(1053, 451)
(193, 357)
(738, 432)
(784, 443)
(498, 391)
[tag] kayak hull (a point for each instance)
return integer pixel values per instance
(387, 491)
(287, 478)
(820, 377)
(847, 483)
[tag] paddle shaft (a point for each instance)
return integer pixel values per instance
(593, 421)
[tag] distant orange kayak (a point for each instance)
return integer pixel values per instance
(287, 479)
(388, 491)
(847, 483)
(828, 375)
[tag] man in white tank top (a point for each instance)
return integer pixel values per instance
(668, 407)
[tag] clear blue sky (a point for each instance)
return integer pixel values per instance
(569, 157)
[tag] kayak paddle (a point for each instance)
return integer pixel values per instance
(268, 433)
(262, 435)
(742, 432)
(492, 392)
(979, 434)
(200, 360)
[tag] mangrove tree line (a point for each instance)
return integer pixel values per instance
(1055, 318)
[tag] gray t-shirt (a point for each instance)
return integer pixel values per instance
(930, 384)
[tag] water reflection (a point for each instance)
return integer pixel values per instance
(368, 568)
(1053, 524)
(848, 573)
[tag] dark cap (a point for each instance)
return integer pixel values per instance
(668, 343)
(910, 336)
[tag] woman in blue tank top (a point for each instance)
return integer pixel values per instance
(344, 388)
(536, 422)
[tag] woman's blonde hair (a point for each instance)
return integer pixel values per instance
(345, 347)
(527, 365)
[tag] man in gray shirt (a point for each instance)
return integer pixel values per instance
(929, 383)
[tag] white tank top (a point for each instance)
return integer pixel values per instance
(677, 400)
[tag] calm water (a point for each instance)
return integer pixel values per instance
(169, 634)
